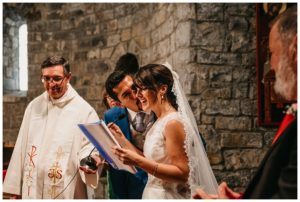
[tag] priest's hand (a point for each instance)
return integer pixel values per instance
(99, 162)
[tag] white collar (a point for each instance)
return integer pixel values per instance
(131, 114)
(69, 94)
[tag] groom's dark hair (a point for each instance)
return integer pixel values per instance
(112, 81)
(128, 63)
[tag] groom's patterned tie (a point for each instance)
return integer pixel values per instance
(138, 122)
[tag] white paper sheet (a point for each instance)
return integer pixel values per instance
(101, 137)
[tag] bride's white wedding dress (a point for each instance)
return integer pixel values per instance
(155, 149)
(200, 172)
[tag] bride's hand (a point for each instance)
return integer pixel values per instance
(116, 131)
(127, 156)
(120, 137)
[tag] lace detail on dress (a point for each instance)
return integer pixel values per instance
(189, 145)
(201, 174)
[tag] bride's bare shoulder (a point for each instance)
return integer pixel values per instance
(174, 126)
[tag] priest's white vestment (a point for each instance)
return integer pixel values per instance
(49, 147)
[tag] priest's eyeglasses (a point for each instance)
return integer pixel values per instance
(54, 79)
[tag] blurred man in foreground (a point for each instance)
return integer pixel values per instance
(276, 176)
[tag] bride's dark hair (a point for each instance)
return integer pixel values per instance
(152, 76)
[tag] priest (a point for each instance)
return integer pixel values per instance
(50, 145)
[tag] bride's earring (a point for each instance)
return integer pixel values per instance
(162, 98)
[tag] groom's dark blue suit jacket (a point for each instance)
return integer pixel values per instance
(124, 184)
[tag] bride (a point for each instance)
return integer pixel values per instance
(174, 156)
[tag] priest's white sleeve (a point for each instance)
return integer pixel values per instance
(13, 179)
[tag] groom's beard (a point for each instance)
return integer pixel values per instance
(286, 79)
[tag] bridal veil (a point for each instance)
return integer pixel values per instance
(201, 174)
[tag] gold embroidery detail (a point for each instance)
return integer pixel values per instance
(59, 153)
(29, 168)
(55, 172)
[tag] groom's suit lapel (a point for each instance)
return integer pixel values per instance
(113, 113)
(124, 123)
(127, 125)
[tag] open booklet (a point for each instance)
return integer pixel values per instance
(101, 137)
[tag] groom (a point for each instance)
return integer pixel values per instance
(119, 86)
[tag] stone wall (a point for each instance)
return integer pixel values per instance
(11, 25)
(224, 39)
(211, 46)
